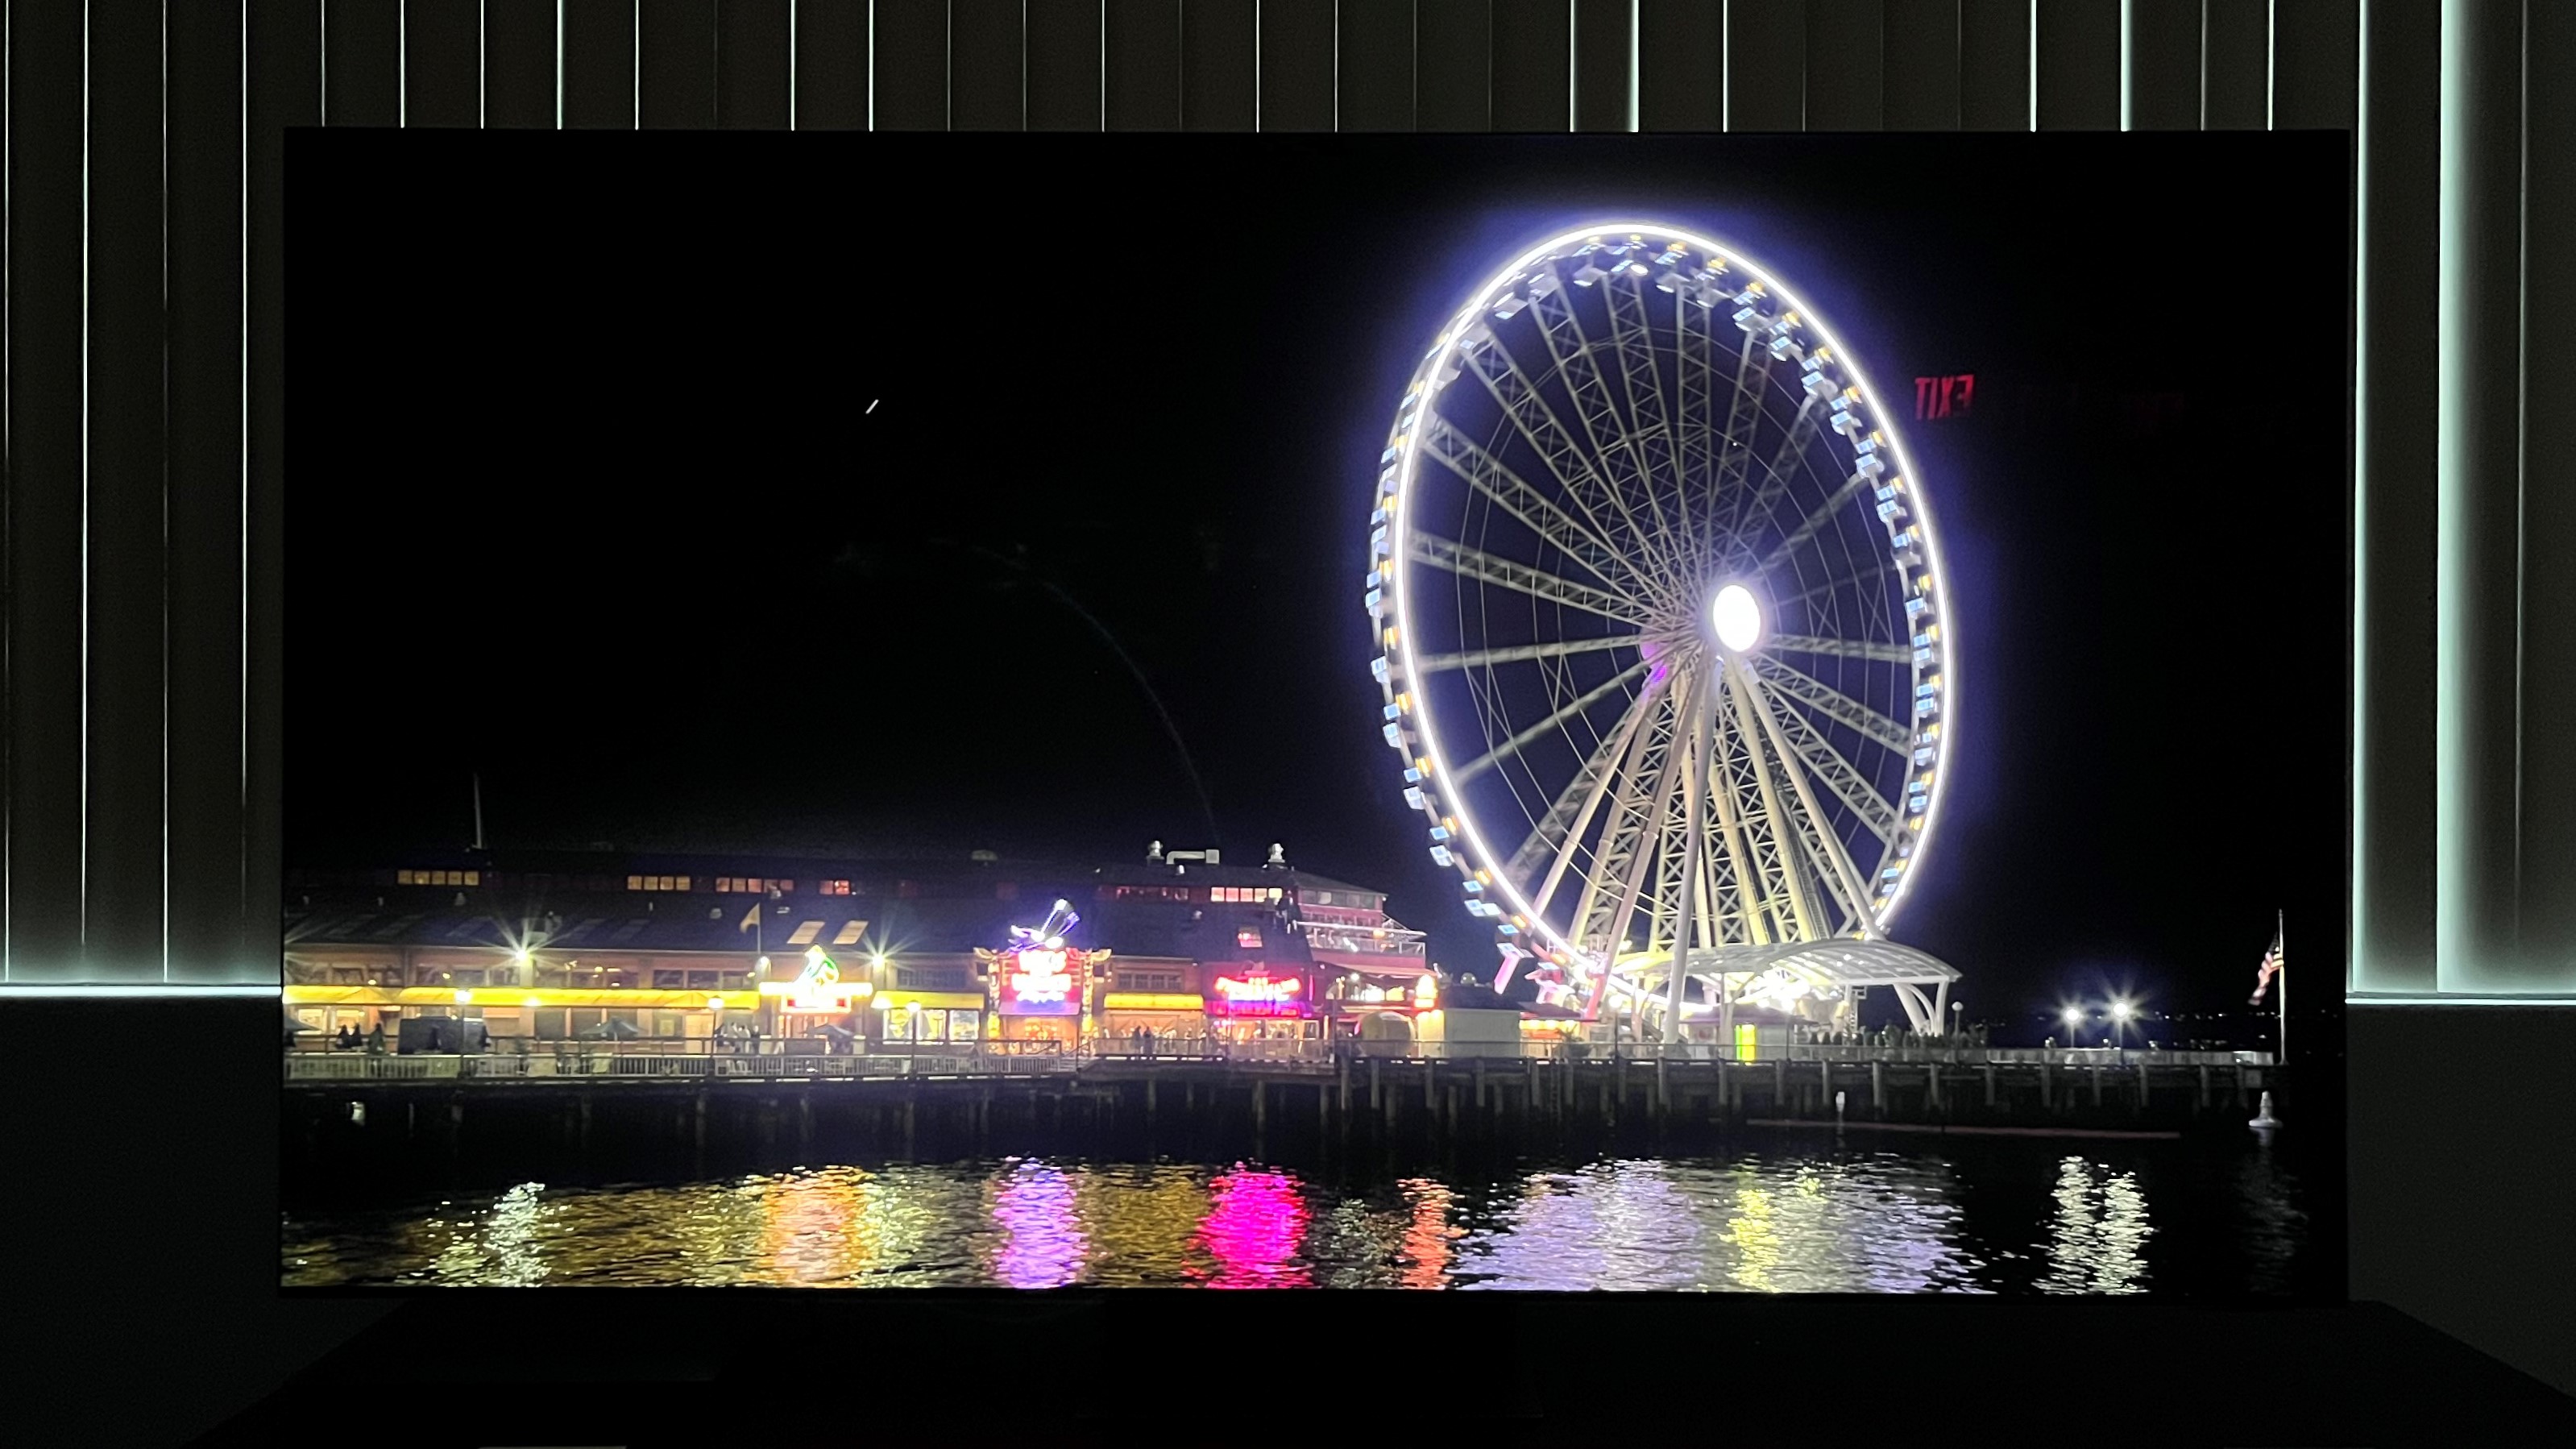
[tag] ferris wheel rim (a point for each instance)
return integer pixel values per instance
(1487, 862)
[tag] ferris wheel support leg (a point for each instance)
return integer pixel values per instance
(1694, 846)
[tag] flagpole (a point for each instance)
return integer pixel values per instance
(2281, 974)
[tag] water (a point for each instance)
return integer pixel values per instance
(2163, 1219)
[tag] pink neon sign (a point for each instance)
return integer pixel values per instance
(1041, 982)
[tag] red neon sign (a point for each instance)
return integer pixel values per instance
(1943, 397)
(1040, 983)
(1260, 995)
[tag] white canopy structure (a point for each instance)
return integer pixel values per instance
(1816, 980)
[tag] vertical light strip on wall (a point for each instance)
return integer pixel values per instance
(244, 737)
(1726, 65)
(2128, 66)
(559, 62)
(2360, 943)
(8, 435)
(791, 63)
(948, 96)
(165, 492)
(84, 705)
(1570, 86)
(482, 64)
(2271, 57)
(638, 39)
(2034, 64)
(1337, 64)
(1256, 57)
(402, 60)
(872, 64)
(1632, 65)
(1104, 65)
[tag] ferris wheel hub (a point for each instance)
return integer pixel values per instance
(1737, 617)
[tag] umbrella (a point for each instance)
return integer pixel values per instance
(613, 1029)
(836, 1033)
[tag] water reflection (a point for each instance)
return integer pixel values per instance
(1043, 1244)
(1787, 1223)
(2097, 1243)
(1254, 1225)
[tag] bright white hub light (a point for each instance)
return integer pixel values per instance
(1737, 617)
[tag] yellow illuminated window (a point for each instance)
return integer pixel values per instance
(402, 877)
(635, 882)
(682, 882)
(474, 877)
(666, 883)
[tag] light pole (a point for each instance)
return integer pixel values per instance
(2120, 1014)
(912, 1029)
(2073, 1016)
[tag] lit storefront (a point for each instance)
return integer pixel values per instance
(1155, 994)
(1040, 987)
(817, 998)
(1251, 1003)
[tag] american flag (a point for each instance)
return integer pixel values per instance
(2263, 975)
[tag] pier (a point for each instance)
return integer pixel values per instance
(359, 1125)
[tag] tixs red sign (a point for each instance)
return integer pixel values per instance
(1944, 397)
(1259, 994)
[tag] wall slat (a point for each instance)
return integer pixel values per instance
(1453, 65)
(1846, 65)
(2394, 564)
(442, 77)
(1141, 64)
(675, 64)
(124, 500)
(831, 59)
(44, 619)
(1297, 65)
(1533, 60)
(599, 64)
(1766, 66)
(2164, 65)
(2235, 61)
(1218, 64)
(2079, 65)
(1601, 57)
(986, 88)
(519, 65)
(1922, 65)
(1064, 66)
(2316, 61)
(751, 65)
(285, 90)
(1994, 65)
(1681, 66)
(361, 62)
(203, 560)
(2548, 843)
(911, 65)
(1375, 92)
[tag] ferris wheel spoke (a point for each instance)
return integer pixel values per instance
(1536, 422)
(1650, 438)
(1843, 648)
(1842, 709)
(1642, 790)
(1572, 709)
(1615, 457)
(1834, 868)
(1514, 653)
(1814, 522)
(1590, 786)
(1743, 527)
(1827, 765)
(1488, 475)
(1538, 584)
(1693, 366)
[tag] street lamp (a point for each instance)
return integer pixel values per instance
(2073, 1016)
(2121, 1011)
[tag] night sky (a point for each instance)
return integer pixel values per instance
(584, 496)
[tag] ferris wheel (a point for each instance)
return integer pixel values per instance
(1664, 647)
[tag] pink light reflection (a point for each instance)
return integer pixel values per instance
(1254, 1224)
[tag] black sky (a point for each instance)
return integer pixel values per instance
(584, 496)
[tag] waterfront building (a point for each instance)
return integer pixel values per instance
(678, 949)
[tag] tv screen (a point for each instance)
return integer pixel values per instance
(1672, 713)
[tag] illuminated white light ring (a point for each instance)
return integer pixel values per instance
(1409, 449)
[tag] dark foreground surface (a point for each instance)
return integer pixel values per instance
(816, 1369)
(1782, 1211)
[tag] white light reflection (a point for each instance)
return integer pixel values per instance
(2097, 1242)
